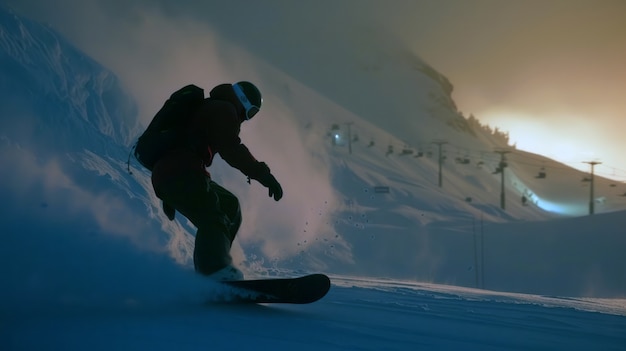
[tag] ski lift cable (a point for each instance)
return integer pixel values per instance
(487, 155)
(541, 162)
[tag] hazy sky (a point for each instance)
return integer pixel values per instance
(551, 72)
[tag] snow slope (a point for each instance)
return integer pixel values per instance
(67, 126)
(356, 315)
(90, 262)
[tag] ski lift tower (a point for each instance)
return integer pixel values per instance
(349, 124)
(440, 143)
(591, 200)
(501, 167)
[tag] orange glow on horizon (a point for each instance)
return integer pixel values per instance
(560, 138)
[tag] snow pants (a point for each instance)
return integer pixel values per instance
(212, 209)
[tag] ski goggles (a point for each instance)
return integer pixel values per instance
(251, 109)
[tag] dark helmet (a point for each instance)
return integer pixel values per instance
(249, 96)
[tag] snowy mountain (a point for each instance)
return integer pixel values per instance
(66, 129)
(90, 262)
(367, 207)
(46, 76)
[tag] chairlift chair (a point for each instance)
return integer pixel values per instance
(542, 173)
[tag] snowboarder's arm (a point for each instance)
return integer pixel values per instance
(240, 157)
(228, 144)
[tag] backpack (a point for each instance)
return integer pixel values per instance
(166, 130)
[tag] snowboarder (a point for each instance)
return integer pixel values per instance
(181, 181)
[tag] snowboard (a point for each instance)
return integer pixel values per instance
(301, 290)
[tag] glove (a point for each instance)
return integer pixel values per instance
(272, 185)
(265, 177)
(169, 211)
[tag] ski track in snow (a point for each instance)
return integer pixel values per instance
(357, 314)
